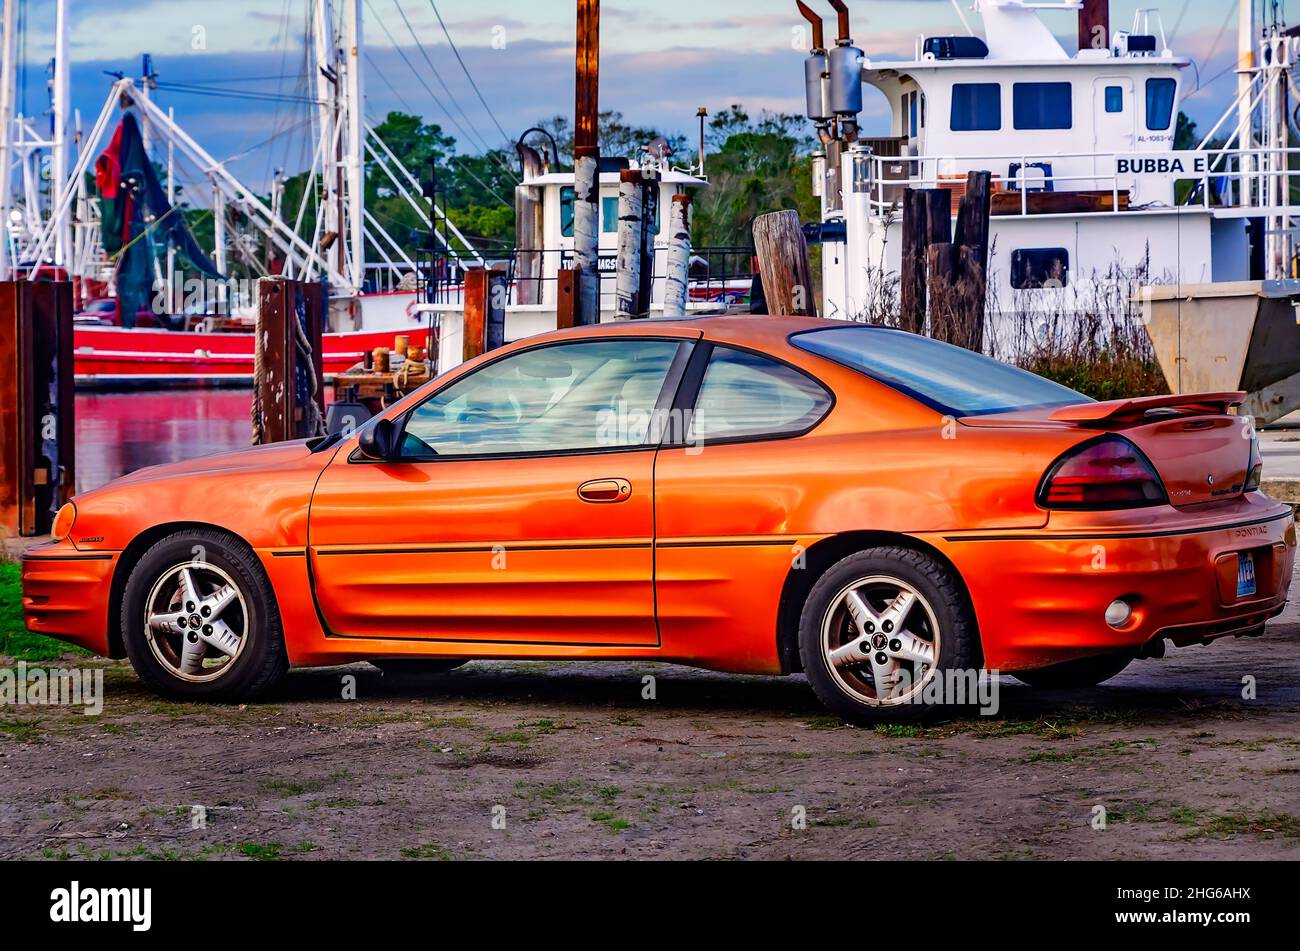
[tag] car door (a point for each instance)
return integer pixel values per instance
(521, 508)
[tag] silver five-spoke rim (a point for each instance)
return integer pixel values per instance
(881, 640)
(196, 621)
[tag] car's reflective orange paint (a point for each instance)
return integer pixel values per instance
(502, 559)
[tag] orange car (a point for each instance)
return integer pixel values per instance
(750, 494)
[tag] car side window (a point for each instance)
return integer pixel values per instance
(581, 396)
(744, 395)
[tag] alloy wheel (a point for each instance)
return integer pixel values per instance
(196, 621)
(881, 640)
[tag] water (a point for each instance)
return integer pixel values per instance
(118, 433)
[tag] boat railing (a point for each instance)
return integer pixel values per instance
(1257, 181)
(718, 276)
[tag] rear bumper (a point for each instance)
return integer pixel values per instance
(1040, 597)
(66, 594)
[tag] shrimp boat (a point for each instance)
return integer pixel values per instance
(124, 239)
(1096, 201)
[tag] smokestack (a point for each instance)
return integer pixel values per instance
(842, 13)
(1094, 25)
(816, 78)
(818, 29)
(844, 63)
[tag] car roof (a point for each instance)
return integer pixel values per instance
(753, 330)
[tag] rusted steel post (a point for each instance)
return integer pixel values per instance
(586, 163)
(627, 285)
(37, 459)
(476, 312)
(565, 283)
(494, 325)
(782, 253)
(1094, 25)
(650, 180)
(679, 256)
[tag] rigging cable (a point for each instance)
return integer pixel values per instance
(465, 69)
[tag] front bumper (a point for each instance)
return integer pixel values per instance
(1040, 597)
(66, 594)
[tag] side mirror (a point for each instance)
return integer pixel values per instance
(379, 441)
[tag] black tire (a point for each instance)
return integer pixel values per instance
(412, 668)
(1076, 674)
(260, 664)
(952, 613)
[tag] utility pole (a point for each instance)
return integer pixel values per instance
(586, 163)
(7, 71)
(354, 161)
(148, 82)
(59, 119)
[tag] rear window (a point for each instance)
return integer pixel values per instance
(950, 379)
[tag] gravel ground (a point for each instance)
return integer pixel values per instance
(528, 760)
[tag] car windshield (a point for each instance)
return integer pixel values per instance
(954, 381)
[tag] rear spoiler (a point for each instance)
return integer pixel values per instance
(1133, 410)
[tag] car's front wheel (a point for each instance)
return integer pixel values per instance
(199, 619)
(880, 627)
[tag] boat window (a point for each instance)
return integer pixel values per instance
(976, 107)
(576, 397)
(609, 214)
(1043, 106)
(1160, 103)
(746, 396)
(566, 211)
(1114, 98)
(914, 107)
(949, 379)
(1033, 268)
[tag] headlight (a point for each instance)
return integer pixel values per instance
(63, 522)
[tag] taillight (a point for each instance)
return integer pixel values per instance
(1108, 472)
(1255, 471)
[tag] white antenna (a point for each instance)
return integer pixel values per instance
(59, 117)
(7, 69)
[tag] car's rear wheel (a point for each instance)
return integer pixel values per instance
(879, 627)
(413, 668)
(199, 619)
(1076, 674)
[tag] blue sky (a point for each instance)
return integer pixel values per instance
(660, 60)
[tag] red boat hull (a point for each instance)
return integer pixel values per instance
(111, 356)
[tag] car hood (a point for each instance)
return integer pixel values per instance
(234, 461)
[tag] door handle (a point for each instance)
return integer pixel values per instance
(605, 490)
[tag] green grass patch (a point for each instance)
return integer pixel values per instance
(15, 640)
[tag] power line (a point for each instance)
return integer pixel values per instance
(447, 89)
(420, 79)
(465, 69)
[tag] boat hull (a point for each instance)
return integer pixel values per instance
(113, 356)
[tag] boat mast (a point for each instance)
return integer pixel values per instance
(6, 127)
(354, 165)
(60, 150)
(1245, 94)
(327, 104)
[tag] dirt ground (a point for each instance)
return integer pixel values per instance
(527, 760)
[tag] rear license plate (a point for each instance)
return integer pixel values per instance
(1245, 574)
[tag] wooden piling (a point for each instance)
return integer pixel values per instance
(679, 256)
(782, 253)
(565, 293)
(627, 284)
(278, 412)
(474, 330)
(927, 220)
(586, 162)
(37, 408)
